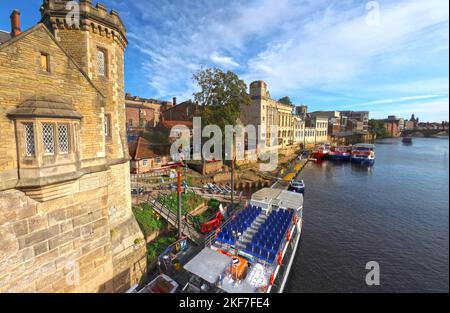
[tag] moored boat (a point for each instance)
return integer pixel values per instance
(363, 153)
(297, 186)
(321, 151)
(252, 252)
(340, 153)
(407, 139)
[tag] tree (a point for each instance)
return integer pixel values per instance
(285, 100)
(377, 127)
(221, 96)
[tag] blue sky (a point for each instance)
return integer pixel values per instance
(330, 55)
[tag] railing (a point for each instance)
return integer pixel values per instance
(211, 236)
(166, 213)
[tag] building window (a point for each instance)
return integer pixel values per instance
(107, 125)
(29, 140)
(63, 138)
(45, 62)
(144, 162)
(101, 62)
(130, 123)
(158, 160)
(48, 138)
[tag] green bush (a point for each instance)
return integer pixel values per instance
(156, 247)
(214, 203)
(147, 219)
(213, 208)
(189, 201)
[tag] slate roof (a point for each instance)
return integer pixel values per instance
(4, 36)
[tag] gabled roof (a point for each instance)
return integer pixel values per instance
(142, 149)
(170, 124)
(40, 26)
(184, 103)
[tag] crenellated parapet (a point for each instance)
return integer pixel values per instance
(57, 14)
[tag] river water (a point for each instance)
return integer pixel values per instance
(395, 213)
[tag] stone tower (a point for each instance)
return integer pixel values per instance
(95, 38)
(96, 42)
(258, 89)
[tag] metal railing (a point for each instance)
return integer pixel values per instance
(170, 216)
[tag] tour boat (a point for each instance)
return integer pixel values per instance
(363, 154)
(297, 186)
(407, 139)
(340, 153)
(253, 250)
(321, 151)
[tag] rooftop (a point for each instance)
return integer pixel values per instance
(4, 36)
(142, 149)
(208, 265)
(279, 197)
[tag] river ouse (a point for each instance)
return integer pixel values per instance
(65, 209)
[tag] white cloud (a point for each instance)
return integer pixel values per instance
(435, 110)
(393, 100)
(224, 61)
(293, 45)
(342, 49)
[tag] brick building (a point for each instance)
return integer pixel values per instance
(184, 111)
(356, 121)
(66, 223)
(394, 125)
(140, 117)
(142, 113)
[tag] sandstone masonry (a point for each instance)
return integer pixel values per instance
(66, 223)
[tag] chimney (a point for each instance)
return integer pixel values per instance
(174, 101)
(15, 23)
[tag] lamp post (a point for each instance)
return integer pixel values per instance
(233, 155)
(180, 232)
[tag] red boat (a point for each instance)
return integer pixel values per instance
(321, 152)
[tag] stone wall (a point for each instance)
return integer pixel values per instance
(84, 239)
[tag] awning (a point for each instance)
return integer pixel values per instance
(208, 265)
(45, 107)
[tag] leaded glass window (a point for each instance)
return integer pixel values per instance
(107, 125)
(29, 139)
(48, 138)
(63, 138)
(101, 66)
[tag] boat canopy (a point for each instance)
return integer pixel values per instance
(208, 265)
(364, 145)
(277, 197)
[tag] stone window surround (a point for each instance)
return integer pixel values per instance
(107, 125)
(106, 62)
(40, 158)
(48, 67)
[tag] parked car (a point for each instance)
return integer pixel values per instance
(136, 191)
